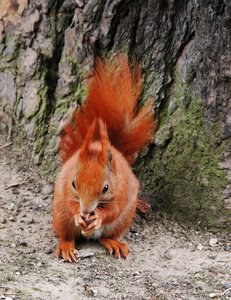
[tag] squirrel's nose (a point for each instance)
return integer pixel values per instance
(88, 209)
(86, 212)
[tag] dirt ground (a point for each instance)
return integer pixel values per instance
(168, 261)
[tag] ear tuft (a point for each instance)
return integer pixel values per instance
(103, 139)
(103, 131)
(90, 135)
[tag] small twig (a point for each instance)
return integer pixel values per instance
(226, 291)
(216, 295)
(6, 145)
(16, 184)
(36, 267)
(6, 293)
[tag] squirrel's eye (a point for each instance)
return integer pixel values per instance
(73, 184)
(105, 189)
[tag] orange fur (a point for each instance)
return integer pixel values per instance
(113, 91)
(96, 191)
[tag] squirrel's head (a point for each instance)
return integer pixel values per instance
(94, 179)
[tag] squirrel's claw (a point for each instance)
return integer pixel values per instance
(80, 222)
(67, 251)
(95, 225)
(116, 246)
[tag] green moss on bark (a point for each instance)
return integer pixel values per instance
(184, 176)
(70, 92)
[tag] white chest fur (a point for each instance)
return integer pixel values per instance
(96, 234)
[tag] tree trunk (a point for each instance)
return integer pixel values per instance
(48, 47)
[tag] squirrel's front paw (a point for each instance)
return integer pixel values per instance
(80, 221)
(95, 223)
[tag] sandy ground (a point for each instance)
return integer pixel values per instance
(168, 261)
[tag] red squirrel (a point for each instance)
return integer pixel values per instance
(96, 190)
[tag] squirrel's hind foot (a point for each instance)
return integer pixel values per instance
(120, 249)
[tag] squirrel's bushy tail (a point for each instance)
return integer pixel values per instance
(113, 91)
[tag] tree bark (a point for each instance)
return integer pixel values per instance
(48, 47)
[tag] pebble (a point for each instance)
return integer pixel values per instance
(47, 189)
(175, 282)
(55, 281)
(134, 228)
(212, 256)
(22, 243)
(15, 191)
(200, 247)
(12, 219)
(87, 278)
(29, 221)
(168, 255)
(12, 206)
(39, 264)
(136, 273)
(228, 247)
(48, 251)
(2, 220)
(92, 291)
(227, 285)
(85, 253)
(213, 242)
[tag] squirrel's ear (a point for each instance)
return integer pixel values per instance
(103, 132)
(109, 156)
(110, 160)
(85, 148)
